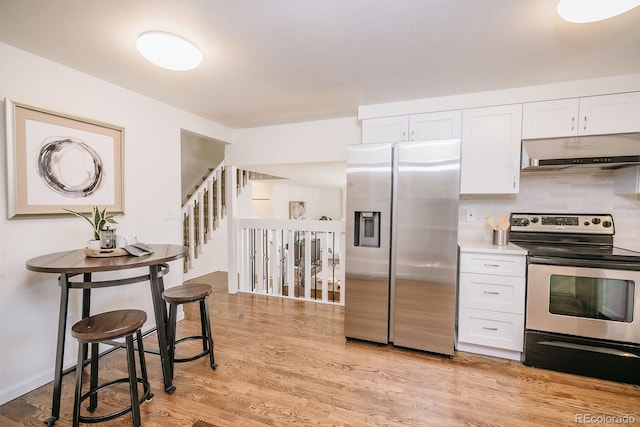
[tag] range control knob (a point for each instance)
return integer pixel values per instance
(606, 224)
(535, 220)
(524, 222)
(595, 221)
(587, 223)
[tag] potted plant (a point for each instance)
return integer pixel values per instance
(99, 219)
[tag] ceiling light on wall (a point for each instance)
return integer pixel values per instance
(169, 51)
(584, 11)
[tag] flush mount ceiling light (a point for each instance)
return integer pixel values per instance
(169, 51)
(584, 11)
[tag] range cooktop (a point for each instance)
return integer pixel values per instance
(574, 236)
(584, 251)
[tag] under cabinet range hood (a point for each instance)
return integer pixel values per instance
(593, 151)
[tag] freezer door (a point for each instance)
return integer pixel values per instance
(426, 245)
(366, 313)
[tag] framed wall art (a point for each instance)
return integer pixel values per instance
(57, 161)
(297, 210)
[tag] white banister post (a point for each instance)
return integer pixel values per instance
(290, 264)
(201, 224)
(210, 184)
(324, 261)
(192, 254)
(343, 241)
(232, 242)
(307, 265)
(242, 248)
(260, 253)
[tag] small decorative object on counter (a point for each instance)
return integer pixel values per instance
(99, 220)
(500, 229)
(108, 238)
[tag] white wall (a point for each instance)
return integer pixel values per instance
(28, 300)
(318, 141)
(270, 200)
(318, 201)
(262, 199)
(197, 156)
(558, 192)
(571, 89)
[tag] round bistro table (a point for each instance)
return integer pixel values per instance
(70, 264)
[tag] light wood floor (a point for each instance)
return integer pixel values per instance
(286, 363)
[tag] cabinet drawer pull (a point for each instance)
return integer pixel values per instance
(492, 265)
(486, 328)
(491, 292)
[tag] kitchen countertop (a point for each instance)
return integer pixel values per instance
(487, 247)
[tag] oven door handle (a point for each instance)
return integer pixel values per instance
(570, 262)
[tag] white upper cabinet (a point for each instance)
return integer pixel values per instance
(416, 127)
(550, 119)
(618, 113)
(491, 150)
(441, 125)
(385, 129)
(594, 115)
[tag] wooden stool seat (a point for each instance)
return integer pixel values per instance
(184, 294)
(187, 293)
(103, 328)
(108, 326)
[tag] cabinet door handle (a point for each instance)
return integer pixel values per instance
(585, 123)
(573, 123)
(487, 328)
(492, 265)
(491, 292)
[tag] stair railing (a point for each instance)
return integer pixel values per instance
(201, 214)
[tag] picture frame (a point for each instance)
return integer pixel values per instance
(57, 161)
(297, 210)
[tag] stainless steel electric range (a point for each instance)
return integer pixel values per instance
(583, 306)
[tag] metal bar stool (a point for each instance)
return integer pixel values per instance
(102, 328)
(185, 294)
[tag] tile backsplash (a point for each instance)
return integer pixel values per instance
(557, 192)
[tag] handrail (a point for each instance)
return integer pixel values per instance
(201, 213)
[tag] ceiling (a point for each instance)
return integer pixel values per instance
(281, 61)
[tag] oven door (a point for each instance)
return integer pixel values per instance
(589, 302)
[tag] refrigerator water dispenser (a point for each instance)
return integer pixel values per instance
(367, 229)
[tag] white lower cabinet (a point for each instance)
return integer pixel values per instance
(491, 304)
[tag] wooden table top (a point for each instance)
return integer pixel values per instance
(76, 261)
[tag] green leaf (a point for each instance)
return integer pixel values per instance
(98, 219)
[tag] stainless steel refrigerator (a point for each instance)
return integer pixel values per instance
(402, 251)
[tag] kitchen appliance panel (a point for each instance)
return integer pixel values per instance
(582, 296)
(609, 360)
(367, 268)
(424, 316)
(540, 316)
(426, 249)
(367, 314)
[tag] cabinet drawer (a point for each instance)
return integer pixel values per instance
(495, 293)
(490, 328)
(503, 265)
